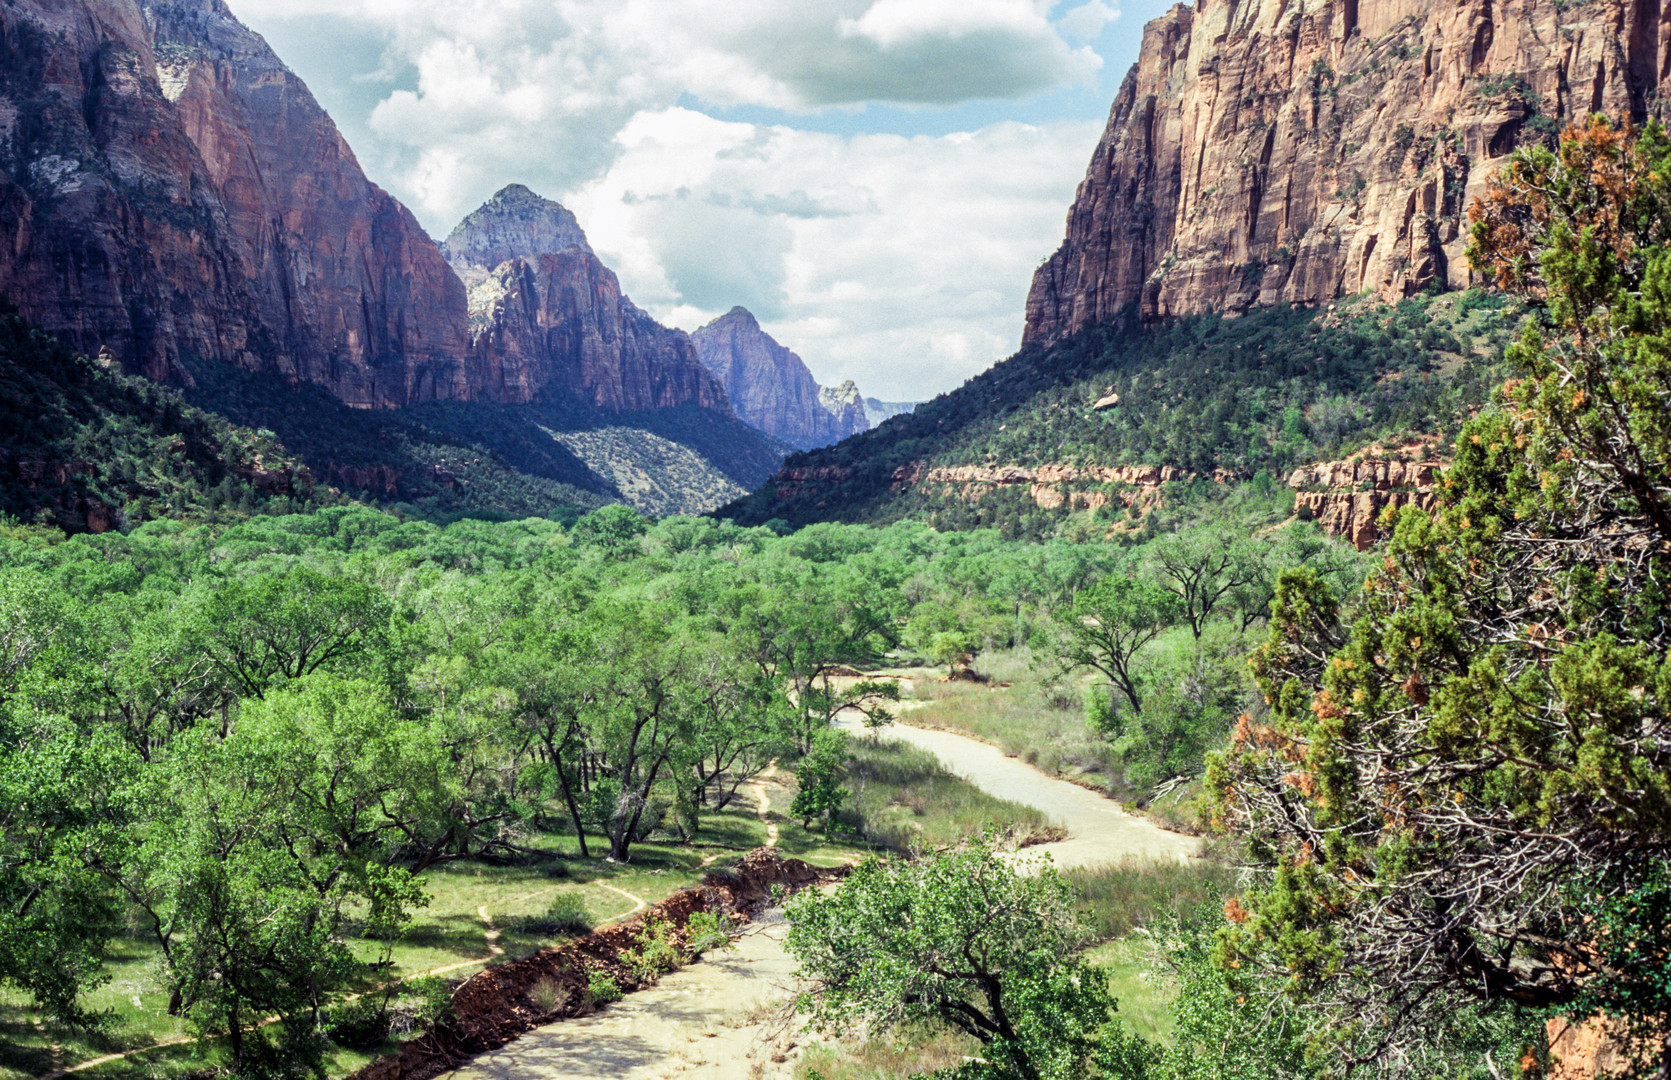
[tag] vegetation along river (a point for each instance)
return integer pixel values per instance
(727, 1016)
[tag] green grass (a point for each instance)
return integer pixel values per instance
(1140, 983)
(1118, 898)
(1016, 712)
(903, 800)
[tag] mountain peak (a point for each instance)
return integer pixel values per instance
(515, 223)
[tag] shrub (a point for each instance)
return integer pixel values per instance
(549, 995)
(567, 915)
(601, 989)
(655, 954)
(707, 930)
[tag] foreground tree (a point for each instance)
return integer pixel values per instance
(967, 940)
(1466, 795)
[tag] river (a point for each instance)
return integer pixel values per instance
(727, 1017)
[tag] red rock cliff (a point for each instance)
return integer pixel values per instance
(546, 312)
(170, 190)
(1272, 151)
(355, 292)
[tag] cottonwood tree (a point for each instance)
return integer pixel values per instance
(1110, 623)
(1465, 796)
(965, 939)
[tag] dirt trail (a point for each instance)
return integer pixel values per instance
(723, 1017)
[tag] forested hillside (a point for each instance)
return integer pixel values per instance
(1265, 392)
(84, 448)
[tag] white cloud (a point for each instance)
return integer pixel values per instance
(1086, 22)
(900, 263)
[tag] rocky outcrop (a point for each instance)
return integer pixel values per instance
(1347, 498)
(514, 224)
(847, 405)
(1264, 151)
(1088, 487)
(771, 388)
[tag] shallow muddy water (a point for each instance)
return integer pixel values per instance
(727, 1018)
(1098, 830)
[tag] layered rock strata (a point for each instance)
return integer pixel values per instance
(1347, 498)
(771, 387)
(545, 311)
(1049, 486)
(1267, 151)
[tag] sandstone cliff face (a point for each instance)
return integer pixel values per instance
(1273, 151)
(169, 190)
(771, 388)
(1347, 498)
(111, 229)
(549, 314)
(355, 292)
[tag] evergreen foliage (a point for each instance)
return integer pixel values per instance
(1462, 797)
(83, 446)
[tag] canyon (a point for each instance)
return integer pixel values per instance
(172, 194)
(1265, 152)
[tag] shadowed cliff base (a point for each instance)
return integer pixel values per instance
(488, 459)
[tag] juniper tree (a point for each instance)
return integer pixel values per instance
(1465, 796)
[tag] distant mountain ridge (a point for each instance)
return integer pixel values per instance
(877, 410)
(772, 389)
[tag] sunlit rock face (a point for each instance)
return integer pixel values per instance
(172, 194)
(546, 312)
(1267, 151)
(771, 388)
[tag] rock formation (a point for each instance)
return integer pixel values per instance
(545, 311)
(772, 389)
(1347, 498)
(1264, 152)
(847, 405)
(170, 191)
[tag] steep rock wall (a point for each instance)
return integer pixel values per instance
(771, 388)
(1289, 151)
(356, 294)
(545, 312)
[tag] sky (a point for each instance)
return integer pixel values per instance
(875, 179)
